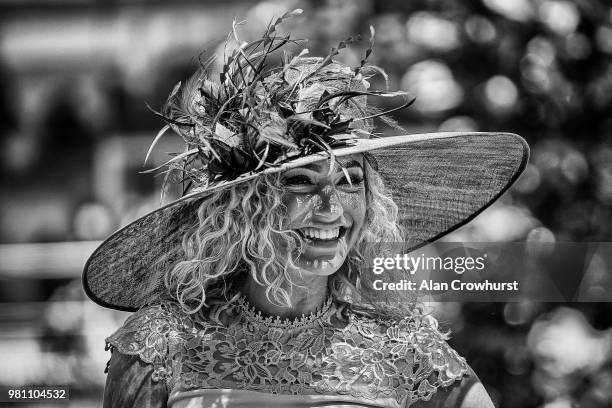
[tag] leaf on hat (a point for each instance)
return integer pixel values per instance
(227, 136)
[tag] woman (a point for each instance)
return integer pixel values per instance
(250, 290)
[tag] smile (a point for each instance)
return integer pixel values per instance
(320, 234)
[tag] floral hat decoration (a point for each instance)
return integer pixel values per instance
(258, 117)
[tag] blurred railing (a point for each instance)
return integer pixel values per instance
(58, 260)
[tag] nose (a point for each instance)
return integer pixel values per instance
(328, 208)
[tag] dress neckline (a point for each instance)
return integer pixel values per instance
(253, 315)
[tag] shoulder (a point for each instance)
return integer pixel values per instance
(149, 332)
(132, 383)
(139, 371)
(430, 342)
(419, 354)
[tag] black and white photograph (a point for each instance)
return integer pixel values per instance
(306, 204)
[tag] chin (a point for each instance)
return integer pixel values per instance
(321, 266)
(324, 257)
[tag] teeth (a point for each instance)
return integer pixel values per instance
(316, 264)
(317, 233)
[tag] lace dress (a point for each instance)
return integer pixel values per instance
(231, 357)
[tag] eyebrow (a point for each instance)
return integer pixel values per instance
(352, 163)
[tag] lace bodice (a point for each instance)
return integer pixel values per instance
(336, 352)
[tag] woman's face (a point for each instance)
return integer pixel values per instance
(327, 210)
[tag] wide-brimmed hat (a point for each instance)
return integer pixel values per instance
(257, 119)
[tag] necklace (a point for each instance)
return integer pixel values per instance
(252, 315)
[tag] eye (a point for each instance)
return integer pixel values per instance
(355, 181)
(297, 181)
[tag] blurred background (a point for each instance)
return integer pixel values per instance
(74, 128)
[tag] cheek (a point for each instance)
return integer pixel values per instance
(354, 204)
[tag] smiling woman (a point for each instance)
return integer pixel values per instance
(249, 290)
(327, 208)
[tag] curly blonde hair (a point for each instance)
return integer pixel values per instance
(240, 231)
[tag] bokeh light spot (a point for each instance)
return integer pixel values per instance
(560, 17)
(603, 170)
(574, 166)
(501, 94)
(577, 46)
(432, 31)
(458, 124)
(480, 29)
(541, 235)
(529, 181)
(434, 86)
(521, 10)
(93, 221)
(519, 313)
(603, 38)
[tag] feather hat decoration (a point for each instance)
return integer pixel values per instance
(255, 115)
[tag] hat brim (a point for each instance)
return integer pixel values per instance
(439, 181)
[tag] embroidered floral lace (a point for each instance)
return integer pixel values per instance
(334, 351)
